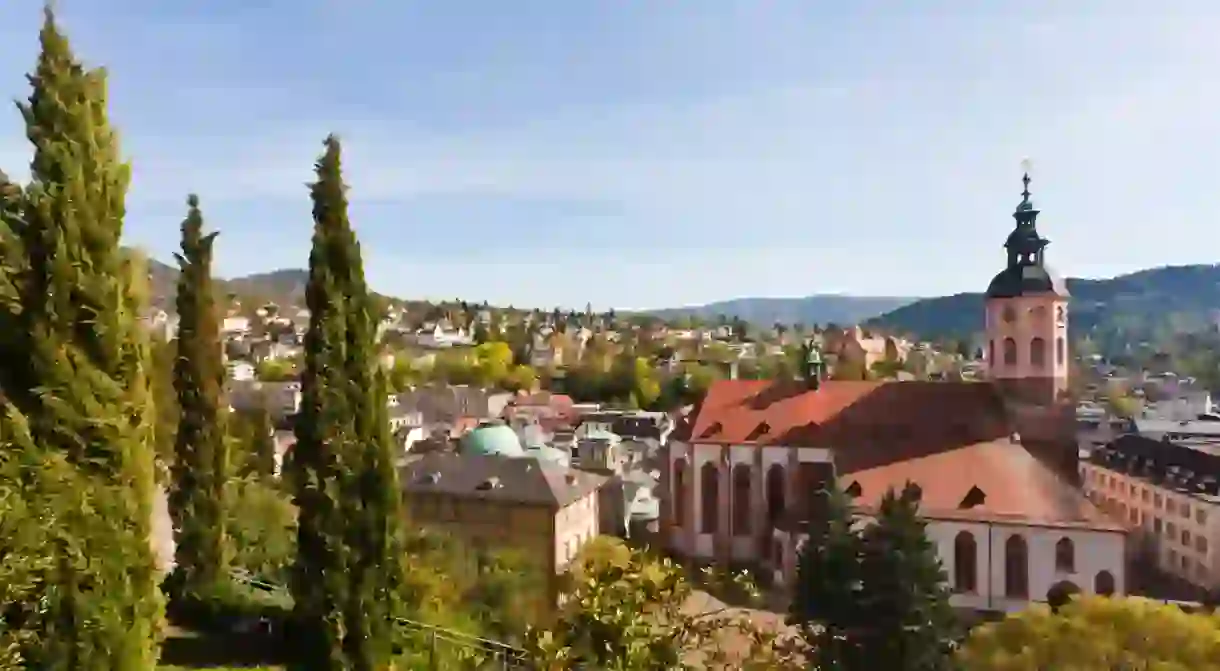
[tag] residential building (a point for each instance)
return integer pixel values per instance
(1169, 492)
(538, 509)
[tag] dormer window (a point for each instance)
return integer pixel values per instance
(854, 490)
(490, 484)
(973, 498)
(759, 431)
(714, 429)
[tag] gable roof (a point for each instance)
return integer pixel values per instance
(1008, 485)
(518, 480)
(868, 423)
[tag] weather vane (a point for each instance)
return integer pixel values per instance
(1026, 167)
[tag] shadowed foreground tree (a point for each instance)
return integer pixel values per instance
(197, 501)
(829, 586)
(349, 571)
(905, 601)
(76, 420)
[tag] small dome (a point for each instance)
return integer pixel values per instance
(1026, 281)
(492, 439)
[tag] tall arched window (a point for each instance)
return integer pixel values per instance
(775, 494)
(709, 493)
(991, 353)
(1037, 352)
(1060, 350)
(1103, 584)
(681, 493)
(741, 500)
(965, 563)
(1016, 568)
(1065, 556)
(1010, 352)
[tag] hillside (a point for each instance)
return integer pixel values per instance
(1146, 305)
(816, 309)
(286, 287)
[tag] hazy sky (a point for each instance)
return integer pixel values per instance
(637, 153)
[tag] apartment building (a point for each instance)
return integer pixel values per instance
(1169, 493)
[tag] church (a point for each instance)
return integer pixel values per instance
(995, 460)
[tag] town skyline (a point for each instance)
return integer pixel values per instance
(573, 156)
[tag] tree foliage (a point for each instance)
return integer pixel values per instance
(1096, 634)
(200, 467)
(348, 573)
(626, 611)
(76, 421)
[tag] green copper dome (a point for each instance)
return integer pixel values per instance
(492, 439)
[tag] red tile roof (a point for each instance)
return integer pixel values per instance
(867, 422)
(947, 437)
(1012, 486)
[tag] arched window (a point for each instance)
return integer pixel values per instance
(709, 491)
(681, 493)
(991, 353)
(1016, 568)
(1010, 352)
(1060, 350)
(1065, 556)
(965, 563)
(775, 494)
(1103, 584)
(741, 500)
(1037, 352)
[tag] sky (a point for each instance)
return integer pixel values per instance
(637, 153)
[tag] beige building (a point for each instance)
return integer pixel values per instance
(539, 509)
(1169, 494)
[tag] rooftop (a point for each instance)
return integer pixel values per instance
(519, 481)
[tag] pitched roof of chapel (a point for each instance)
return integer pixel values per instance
(950, 438)
(867, 422)
(995, 481)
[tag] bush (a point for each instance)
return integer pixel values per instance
(225, 605)
(263, 527)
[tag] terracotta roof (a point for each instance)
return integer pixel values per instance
(868, 423)
(994, 481)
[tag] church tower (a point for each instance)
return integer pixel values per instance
(1027, 313)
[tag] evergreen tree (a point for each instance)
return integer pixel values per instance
(201, 452)
(829, 584)
(906, 600)
(261, 437)
(76, 415)
(348, 571)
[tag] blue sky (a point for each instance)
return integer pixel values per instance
(636, 153)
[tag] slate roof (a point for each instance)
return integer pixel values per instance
(517, 480)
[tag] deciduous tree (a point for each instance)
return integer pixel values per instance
(1096, 634)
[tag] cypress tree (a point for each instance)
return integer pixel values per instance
(349, 561)
(76, 406)
(197, 501)
(828, 585)
(261, 440)
(906, 598)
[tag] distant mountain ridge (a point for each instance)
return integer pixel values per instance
(809, 310)
(1143, 305)
(285, 287)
